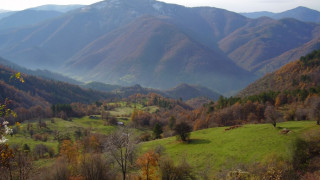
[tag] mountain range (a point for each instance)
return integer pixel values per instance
(160, 45)
(299, 13)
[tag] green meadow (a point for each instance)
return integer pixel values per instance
(220, 149)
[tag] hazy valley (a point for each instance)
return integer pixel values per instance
(142, 89)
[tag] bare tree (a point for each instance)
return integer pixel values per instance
(95, 167)
(272, 115)
(315, 109)
(122, 146)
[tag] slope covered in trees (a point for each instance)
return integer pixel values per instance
(302, 74)
(37, 91)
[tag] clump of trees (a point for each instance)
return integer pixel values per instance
(183, 131)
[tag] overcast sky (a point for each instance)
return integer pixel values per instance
(232, 5)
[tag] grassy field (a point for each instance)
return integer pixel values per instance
(69, 127)
(222, 149)
(126, 111)
(61, 126)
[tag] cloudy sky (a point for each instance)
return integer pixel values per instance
(232, 5)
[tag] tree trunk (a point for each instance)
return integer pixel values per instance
(124, 175)
(274, 124)
(318, 122)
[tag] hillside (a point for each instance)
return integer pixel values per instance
(37, 91)
(101, 86)
(165, 57)
(218, 150)
(289, 56)
(300, 74)
(255, 44)
(26, 18)
(5, 13)
(187, 92)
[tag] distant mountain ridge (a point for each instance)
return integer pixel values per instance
(184, 91)
(158, 45)
(187, 92)
(32, 16)
(5, 13)
(40, 73)
(299, 13)
(59, 8)
(26, 18)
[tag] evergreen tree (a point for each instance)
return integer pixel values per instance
(157, 131)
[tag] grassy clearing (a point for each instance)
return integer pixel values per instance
(126, 111)
(222, 149)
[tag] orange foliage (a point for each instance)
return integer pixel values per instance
(148, 163)
(69, 150)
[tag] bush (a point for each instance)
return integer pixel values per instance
(168, 170)
(40, 150)
(95, 167)
(112, 121)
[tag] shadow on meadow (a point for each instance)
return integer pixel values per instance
(199, 141)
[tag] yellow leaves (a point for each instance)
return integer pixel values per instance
(18, 77)
(69, 150)
(6, 155)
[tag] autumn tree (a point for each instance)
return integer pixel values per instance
(69, 151)
(23, 162)
(148, 163)
(6, 156)
(6, 153)
(272, 115)
(122, 145)
(315, 109)
(183, 131)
